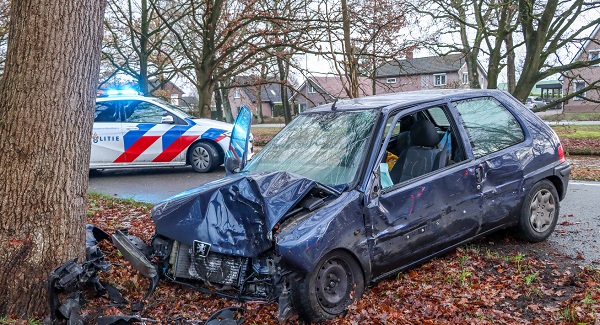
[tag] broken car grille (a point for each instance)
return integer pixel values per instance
(217, 269)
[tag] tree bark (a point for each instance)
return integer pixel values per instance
(351, 64)
(46, 115)
(510, 64)
(284, 69)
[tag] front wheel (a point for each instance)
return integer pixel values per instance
(203, 157)
(326, 291)
(539, 212)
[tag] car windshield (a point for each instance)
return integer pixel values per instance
(325, 147)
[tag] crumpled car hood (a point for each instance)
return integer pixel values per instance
(234, 214)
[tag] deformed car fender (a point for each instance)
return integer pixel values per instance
(338, 225)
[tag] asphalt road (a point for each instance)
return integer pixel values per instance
(577, 234)
(150, 185)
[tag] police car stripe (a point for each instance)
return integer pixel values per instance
(212, 134)
(132, 136)
(170, 137)
(175, 148)
(136, 149)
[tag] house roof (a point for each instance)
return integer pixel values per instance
(427, 65)
(332, 85)
(596, 34)
(269, 91)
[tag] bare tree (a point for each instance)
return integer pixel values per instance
(135, 44)
(494, 30)
(364, 35)
(46, 114)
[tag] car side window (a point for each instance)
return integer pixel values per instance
(106, 112)
(490, 126)
(143, 112)
(426, 142)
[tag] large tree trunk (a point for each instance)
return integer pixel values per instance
(46, 115)
(205, 88)
(510, 64)
(283, 68)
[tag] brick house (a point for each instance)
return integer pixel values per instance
(246, 94)
(321, 90)
(449, 71)
(577, 79)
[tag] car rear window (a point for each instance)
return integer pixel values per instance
(490, 126)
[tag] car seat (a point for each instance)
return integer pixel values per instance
(422, 156)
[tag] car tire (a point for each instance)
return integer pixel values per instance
(539, 212)
(329, 288)
(203, 157)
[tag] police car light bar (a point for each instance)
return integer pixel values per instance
(118, 92)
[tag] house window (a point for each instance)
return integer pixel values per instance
(236, 93)
(579, 85)
(391, 80)
(465, 78)
(594, 55)
(302, 107)
(439, 79)
(311, 89)
(175, 99)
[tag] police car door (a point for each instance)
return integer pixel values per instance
(107, 139)
(146, 126)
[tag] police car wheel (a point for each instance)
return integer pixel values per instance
(203, 157)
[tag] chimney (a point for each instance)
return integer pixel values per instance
(409, 54)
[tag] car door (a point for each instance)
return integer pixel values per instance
(497, 140)
(419, 217)
(107, 136)
(151, 134)
(238, 145)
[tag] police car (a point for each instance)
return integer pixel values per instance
(136, 131)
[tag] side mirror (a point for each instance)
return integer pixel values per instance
(167, 119)
(233, 164)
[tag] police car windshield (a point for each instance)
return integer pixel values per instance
(178, 109)
(331, 146)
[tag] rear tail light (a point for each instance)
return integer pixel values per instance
(561, 153)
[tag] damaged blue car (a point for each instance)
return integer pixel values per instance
(354, 191)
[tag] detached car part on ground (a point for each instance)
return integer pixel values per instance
(350, 193)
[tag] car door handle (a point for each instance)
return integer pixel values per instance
(132, 128)
(479, 176)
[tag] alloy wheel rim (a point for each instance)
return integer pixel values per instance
(200, 158)
(542, 210)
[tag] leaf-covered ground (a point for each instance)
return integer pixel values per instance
(496, 280)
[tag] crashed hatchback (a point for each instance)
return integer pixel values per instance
(354, 191)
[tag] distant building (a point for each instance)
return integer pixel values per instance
(246, 93)
(322, 90)
(168, 91)
(578, 79)
(435, 72)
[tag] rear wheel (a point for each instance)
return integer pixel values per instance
(203, 157)
(539, 212)
(326, 291)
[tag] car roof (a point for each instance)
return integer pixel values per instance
(386, 102)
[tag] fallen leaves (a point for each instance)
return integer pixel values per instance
(494, 281)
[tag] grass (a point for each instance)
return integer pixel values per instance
(573, 116)
(577, 131)
(110, 201)
(266, 131)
